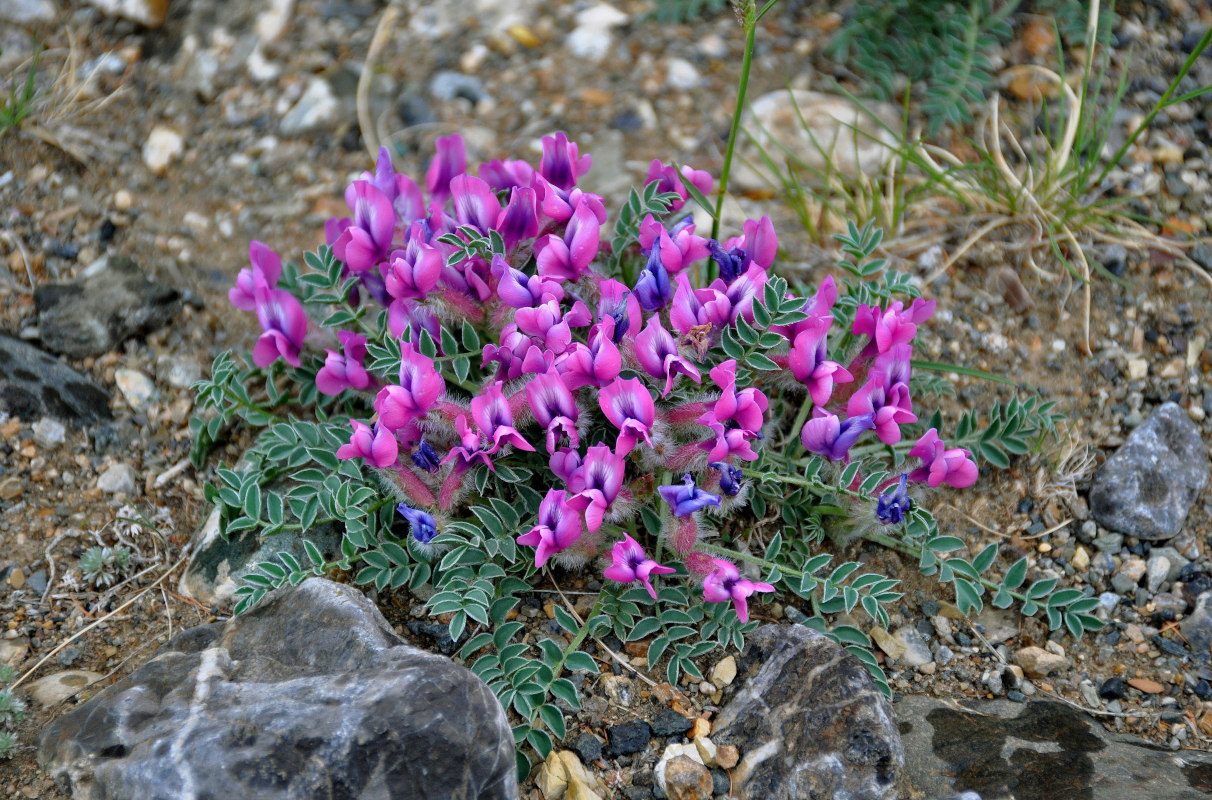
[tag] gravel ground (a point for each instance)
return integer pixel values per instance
(83, 183)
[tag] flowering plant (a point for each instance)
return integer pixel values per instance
(502, 397)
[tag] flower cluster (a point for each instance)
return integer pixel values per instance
(599, 382)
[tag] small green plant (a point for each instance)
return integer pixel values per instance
(101, 566)
(21, 97)
(12, 710)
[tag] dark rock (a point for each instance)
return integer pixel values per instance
(1016, 696)
(1146, 488)
(413, 110)
(439, 634)
(809, 721)
(670, 723)
(1037, 751)
(1112, 689)
(94, 315)
(637, 792)
(447, 85)
(308, 695)
(34, 384)
(1203, 690)
(1202, 254)
(588, 747)
(627, 122)
(720, 782)
(1196, 629)
(1170, 646)
(628, 737)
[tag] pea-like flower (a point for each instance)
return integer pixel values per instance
(426, 457)
(367, 241)
(809, 363)
(553, 407)
(629, 407)
(685, 498)
(519, 219)
(894, 504)
(897, 325)
(658, 355)
(475, 203)
(831, 437)
(652, 288)
(559, 527)
(494, 418)
(414, 272)
(671, 179)
(630, 564)
(562, 162)
(424, 526)
(419, 388)
(265, 271)
(953, 467)
(344, 370)
(450, 162)
(725, 583)
(405, 196)
(283, 327)
(596, 484)
(567, 257)
(597, 363)
(378, 446)
(730, 477)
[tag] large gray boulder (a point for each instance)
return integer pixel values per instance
(1147, 487)
(809, 722)
(310, 695)
(34, 384)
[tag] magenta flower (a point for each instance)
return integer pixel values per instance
(685, 498)
(450, 162)
(652, 288)
(658, 355)
(558, 205)
(419, 388)
(729, 442)
(744, 408)
(808, 362)
(594, 364)
(670, 179)
(414, 272)
(265, 271)
(367, 241)
(564, 464)
(629, 407)
(953, 467)
(559, 526)
(549, 324)
(894, 326)
(475, 203)
(561, 163)
(344, 371)
(519, 290)
(725, 583)
(758, 245)
(828, 436)
(494, 418)
(507, 174)
(619, 302)
(404, 195)
(379, 446)
(409, 315)
(553, 407)
(283, 326)
(567, 257)
(596, 484)
(820, 311)
(520, 218)
(693, 308)
(886, 394)
(679, 247)
(741, 292)
(517, 354)
(469, 451)
(631, 564)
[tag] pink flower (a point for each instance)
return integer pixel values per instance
(745, 408)
(341, 372)
(694, 308)
(450, 162)
(596, 484)
(894, 326)
(469, 451)
(266, 269)
(475, 203)
(519, 290)
(670, 179)
(548, 323)
(831, 437)
(631, 564)
(558, 205)
(820, 311)
(283, 325)
(725, 583)
(953, 467)
(409, 315)
(741, 292)
(414, 272)
(567, 257)
(729, 442)
(658, 355)
(886, 394)
(419, 388)
(564, 464)
(507, 174)
(562, 163)
(619, 302)
(553, 407)
(379, 447)
(629, 407)
(679, 248)
(494, 418)
(559, 526)
(520, 218)
(810, 366)
(405, 196)
(759, 244)
(367, 241)
(517, 354)
(594, 364)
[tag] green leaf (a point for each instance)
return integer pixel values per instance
(1016, 574)
(581, 660)
(471, 339)
(967, 597)
(566, 620)
(1041, 588)
(984, 559)
(944, 544)
(553, 718)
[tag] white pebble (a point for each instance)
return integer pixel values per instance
(162, 146)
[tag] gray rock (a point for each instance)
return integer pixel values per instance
(917, 651)
(27, 12)
(1129, 574)
(317, 109)
(1037, 751)
(447, 85)
(178, 371)
(1109, 542)
(1197, 629)
(49, 432)
(309, 695)
(117, 478)
(1146, 488)
(809, 721)
(34, 384)
(94, 315)
(1156, 570)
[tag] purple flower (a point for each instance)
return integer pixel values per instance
(553, 407)
(519, 290)
(594, 364)
(470, 449)
(693, 308)
(475, 203)
(341, 372)
(426, 457)
(558, 205)
(559, 526)
(741, 292)
(679, 247)
(520, 218)
(758, 245)
(658, 355)
(548, 323)
(379, 446)
(494, 418)
(409, 315)
(885, 396)
(892, 505)
(619, 303)
(629, 407)
(367, 241)
(414, 272)
(685, 498)
(953, 467)
(283, 326)
(670, 179)
(419, 388)
(725, 583)
(808, 362)
(630, 564)
(894, 326)
(567, 257)
(828, 436)
(652, 288)
(596, 483)
(517, 354)
(561, 163)
(730, 477)
(405, 196)
(266, 269)
(507, 174)
(729, 442)
(450, 162)
(424, 526)
(744, 408)
(564, 464)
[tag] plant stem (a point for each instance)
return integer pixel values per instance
(750, 24)
(576, 640)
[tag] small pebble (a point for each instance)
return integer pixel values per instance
(163, 145)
